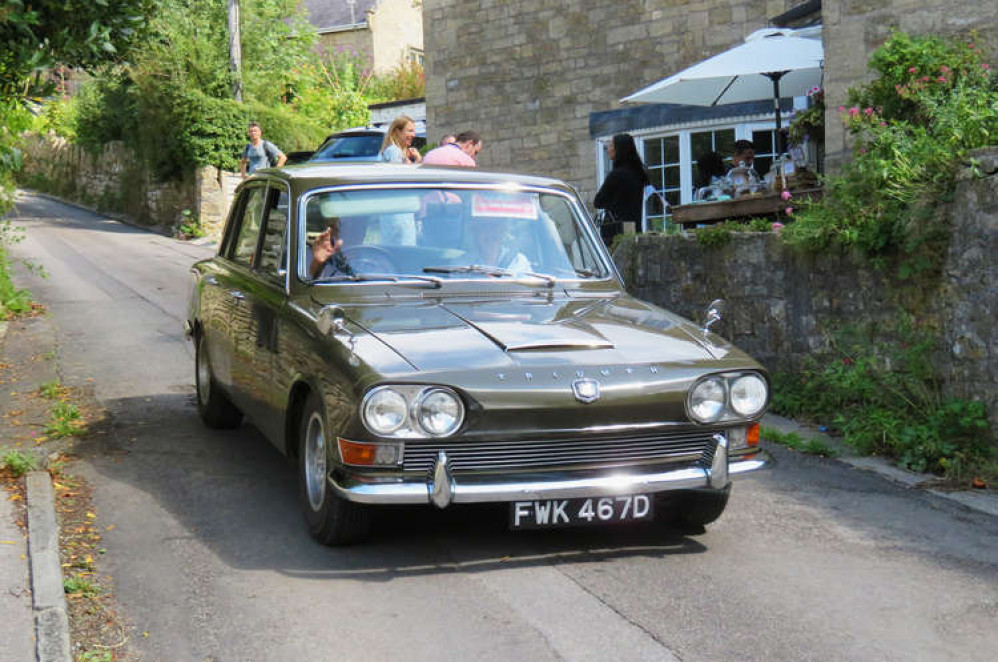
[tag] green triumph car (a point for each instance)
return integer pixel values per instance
(417, 335)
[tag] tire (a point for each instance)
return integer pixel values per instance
(692, 510)
(216, 410)
(331, 519)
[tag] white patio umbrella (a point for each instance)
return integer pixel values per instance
(771, 62)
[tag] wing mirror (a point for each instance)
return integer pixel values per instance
(715, 309)
(331, 320)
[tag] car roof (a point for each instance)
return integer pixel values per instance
(313, 174)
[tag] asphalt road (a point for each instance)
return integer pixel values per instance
(812, 561)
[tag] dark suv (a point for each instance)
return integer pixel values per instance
(356, 145)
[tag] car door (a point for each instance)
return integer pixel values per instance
(266, 303)
(238, 287)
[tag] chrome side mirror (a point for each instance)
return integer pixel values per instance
(715, 309)
(331, 320)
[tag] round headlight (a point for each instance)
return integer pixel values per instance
(748, 395)
(384, 411)
(707, 400)
(440, 412)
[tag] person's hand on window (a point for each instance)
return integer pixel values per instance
(323, 248)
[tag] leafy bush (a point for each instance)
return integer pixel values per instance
(884, 397)
(13, 300)
(19, 463)
(933, 100)
(406, 81)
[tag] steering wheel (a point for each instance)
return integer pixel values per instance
(369, 259)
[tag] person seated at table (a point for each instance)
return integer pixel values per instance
(710, 176)
(744, 156)
(742, 176)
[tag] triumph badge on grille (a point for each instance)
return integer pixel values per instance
(586, 390)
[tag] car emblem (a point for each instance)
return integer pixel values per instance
(586, 390)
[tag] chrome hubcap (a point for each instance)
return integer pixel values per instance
(315, 461)
(203, 374)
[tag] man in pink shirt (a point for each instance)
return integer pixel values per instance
(458, 153)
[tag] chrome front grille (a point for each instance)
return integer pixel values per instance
(577, 452)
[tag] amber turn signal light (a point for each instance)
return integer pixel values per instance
(752, 437)
(354, 452)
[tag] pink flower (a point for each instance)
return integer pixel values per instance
(789, 211)
(944, 69)
(854, 111)
(868, 111)
(842, 109)
(786, 195)
(912, 70)
(941, 79)
(986, 66)
(924, 79)
(777, 227)
(883, 124)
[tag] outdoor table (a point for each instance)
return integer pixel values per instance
(753, 205)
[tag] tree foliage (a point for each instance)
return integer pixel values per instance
(76, 33)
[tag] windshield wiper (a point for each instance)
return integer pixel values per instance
(547, 278)
(435, 283)
(468, 269)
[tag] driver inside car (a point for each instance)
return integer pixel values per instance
(327, 253)
(492, 246)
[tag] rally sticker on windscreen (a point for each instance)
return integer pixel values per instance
(500, 204)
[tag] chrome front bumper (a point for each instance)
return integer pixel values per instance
(444, 488)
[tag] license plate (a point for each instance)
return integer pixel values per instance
(581, 512)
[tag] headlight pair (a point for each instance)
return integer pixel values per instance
(730, 396)
(411, 411)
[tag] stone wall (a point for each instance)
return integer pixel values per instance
(782, 303)
(526, 74)
(853, 29)
(116, 182)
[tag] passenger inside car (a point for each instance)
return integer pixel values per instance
(327, 255)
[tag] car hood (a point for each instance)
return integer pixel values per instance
(508, 333)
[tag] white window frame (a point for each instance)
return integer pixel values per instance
(743, 126)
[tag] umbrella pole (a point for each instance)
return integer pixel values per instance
(775, 76)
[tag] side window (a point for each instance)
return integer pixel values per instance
(244, 247)
(274, 251)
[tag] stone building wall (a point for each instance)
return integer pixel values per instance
(527, 74)
(782, 303)
(350, 41)
(855, 28)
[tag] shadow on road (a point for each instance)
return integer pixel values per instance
(237, 495)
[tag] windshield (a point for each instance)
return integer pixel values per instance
(446, 233)
(350, 147)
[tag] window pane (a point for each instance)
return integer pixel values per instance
(763, 141)
(273, 254)
(653, 151)
(249, 228)
(671, 147)
(700, 144)
(724, 142)
(672, 177)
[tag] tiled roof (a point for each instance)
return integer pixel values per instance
(326, 14)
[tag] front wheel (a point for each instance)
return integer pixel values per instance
(331, 520)
(216, 410)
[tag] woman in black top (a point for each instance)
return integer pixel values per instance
(622, 192)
